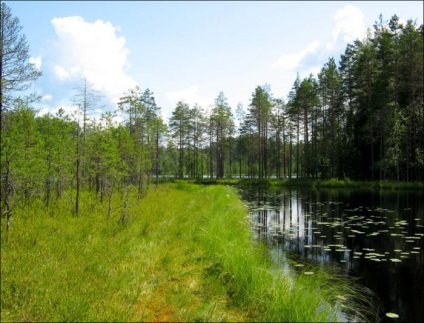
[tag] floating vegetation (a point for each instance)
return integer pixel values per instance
(413, 237)
(347, 236)
(368, 249)
(392, 315)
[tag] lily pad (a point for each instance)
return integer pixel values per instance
(392, 315)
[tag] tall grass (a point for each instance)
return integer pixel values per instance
(257, 285)
(183, 253)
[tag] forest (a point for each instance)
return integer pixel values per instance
(361, 117)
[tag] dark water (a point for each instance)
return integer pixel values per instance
(376, 236)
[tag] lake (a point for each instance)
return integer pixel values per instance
(373, 235)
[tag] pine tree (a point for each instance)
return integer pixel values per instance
(17, 73)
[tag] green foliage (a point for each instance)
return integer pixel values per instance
(22, 154)
(222, 125)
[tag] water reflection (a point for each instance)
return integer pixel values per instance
(374, 235)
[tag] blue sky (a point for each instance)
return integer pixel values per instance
(189, 50)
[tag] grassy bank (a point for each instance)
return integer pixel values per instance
(316, 183)
(182, 253)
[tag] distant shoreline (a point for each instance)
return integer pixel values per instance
(316, 183)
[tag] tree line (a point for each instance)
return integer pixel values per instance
(360, 118)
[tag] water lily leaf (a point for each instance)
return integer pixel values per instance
(395, 260)
(392, 315)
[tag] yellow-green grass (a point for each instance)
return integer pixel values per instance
(183, 253)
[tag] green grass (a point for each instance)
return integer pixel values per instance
(184, 253)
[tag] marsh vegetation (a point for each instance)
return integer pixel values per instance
(183, 253)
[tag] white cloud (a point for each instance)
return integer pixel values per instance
(350, 25)
(189, 95)
(47, 98)
(288, 61)
(61, 73)
(36, 61)
(313, 70)
(93, 50)
(292, 61)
